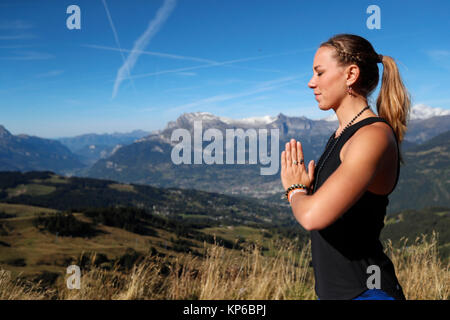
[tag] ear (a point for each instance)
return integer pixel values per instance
(352, 74)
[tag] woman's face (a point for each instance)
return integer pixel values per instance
(329, 79)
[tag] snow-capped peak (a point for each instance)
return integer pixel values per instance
(206, 116)
(422, 111)
(331, 117)
(418, 111)
(250, 121)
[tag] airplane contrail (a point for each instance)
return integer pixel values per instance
(139, 45)
(116, 38)
(151, 53)
(215, 63)
(262, 87)
(210, 63)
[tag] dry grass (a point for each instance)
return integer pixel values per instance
(11, 289)
(225, 274)
(419, 269)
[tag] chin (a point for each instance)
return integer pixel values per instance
(324, 107)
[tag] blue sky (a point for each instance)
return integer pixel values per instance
(233, 58)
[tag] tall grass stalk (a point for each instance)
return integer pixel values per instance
(231, 274)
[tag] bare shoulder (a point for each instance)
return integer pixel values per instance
(381, 131)
(376, 138)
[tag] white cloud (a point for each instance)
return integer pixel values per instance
(423, 111)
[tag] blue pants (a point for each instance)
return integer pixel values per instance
(374, 294)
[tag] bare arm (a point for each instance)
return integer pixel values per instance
(347, 184)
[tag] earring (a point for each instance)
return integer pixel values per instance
(350, 90)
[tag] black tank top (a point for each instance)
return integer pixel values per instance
(343, 251)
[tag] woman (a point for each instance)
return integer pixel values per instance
(342, 200)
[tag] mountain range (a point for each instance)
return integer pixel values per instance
(148, 160)
(91, 147)
(23, 152)
(145, 158)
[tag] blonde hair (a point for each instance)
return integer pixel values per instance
(393, 102)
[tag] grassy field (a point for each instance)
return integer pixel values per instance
(280, 271)
(30, 189)
(31, 252)
(122, 187)
(49, 252)
(220, 275)
(53, 179)
(22, 210)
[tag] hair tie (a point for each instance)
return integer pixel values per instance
(380, 58)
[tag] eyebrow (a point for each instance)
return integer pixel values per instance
(317, 67)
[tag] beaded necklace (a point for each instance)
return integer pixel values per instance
(335, 142)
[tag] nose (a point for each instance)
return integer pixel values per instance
(312, 83)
